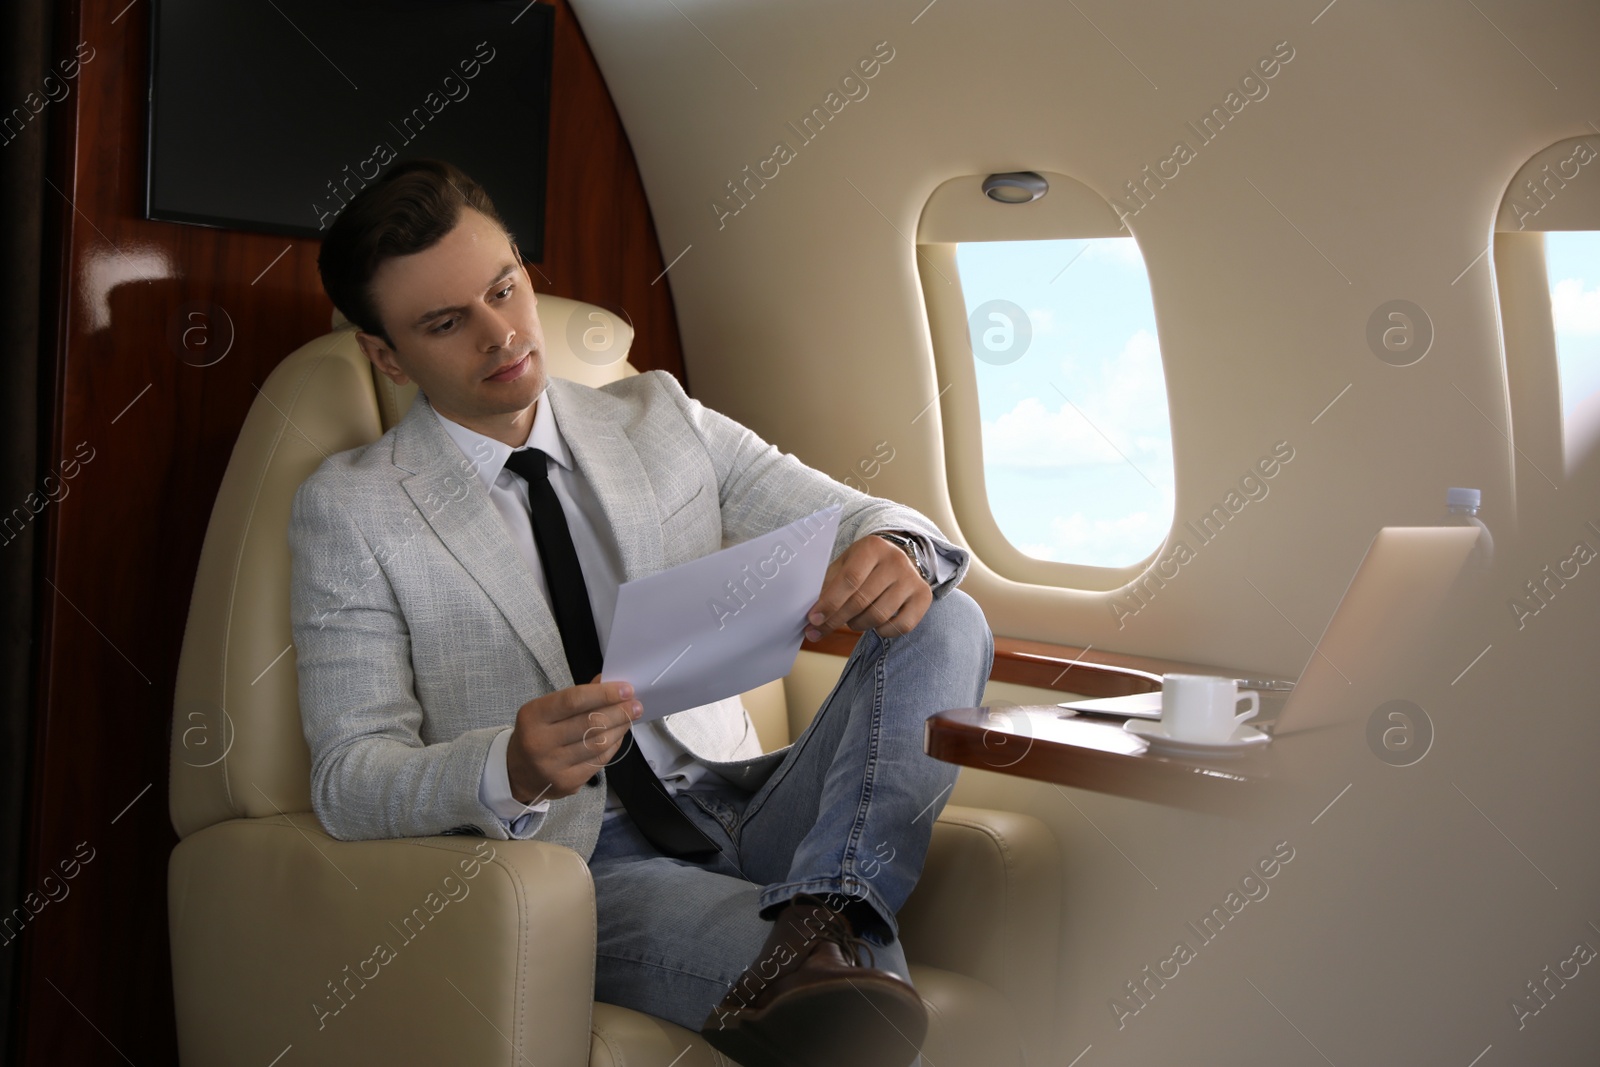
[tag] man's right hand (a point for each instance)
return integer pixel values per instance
(561, 739)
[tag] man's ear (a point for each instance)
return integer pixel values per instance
(382, 357)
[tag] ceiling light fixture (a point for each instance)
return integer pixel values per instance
(1015, 187)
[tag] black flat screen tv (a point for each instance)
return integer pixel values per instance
(269, 116)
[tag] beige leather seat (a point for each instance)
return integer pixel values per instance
(457, 949)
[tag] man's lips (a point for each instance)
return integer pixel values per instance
(512, 370)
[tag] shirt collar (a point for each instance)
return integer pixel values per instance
(489, 456)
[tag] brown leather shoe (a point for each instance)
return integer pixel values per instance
(808, 1000)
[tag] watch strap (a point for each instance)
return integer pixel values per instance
(912, 547)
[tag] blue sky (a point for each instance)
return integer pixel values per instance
(1572, 261)
(1077, 442)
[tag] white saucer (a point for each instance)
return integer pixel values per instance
(1244, 737)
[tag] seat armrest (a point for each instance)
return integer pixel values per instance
(988, 906)
(423, 950)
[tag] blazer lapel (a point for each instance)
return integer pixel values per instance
(453, 501)
(589, 420)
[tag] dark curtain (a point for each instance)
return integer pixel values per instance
(25, 27)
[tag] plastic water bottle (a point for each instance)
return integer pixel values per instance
(1462, 510)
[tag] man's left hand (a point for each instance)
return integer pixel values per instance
(872, 585)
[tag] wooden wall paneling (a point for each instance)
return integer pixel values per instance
(597, 219)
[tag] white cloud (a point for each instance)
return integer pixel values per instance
(1122, 398)
(1031, 435)
(1102, 542)
(1131, 391)
(1576, 311)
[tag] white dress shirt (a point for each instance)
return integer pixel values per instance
(601, 562)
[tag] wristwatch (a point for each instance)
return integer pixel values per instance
(912, 547)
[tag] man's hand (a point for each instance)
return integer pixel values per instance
(871, 585)
(561, 739)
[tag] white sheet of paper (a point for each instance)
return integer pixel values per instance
(720, 624)
(1134, 706)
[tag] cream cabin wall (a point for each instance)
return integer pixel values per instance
(1371, 170)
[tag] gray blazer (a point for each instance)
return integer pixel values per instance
(419, 630)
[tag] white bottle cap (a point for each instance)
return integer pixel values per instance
(1464, 498)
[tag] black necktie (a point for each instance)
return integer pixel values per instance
(642, 793)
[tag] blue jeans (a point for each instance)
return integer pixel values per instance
(850, 810)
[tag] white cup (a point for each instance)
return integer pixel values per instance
(1203, 707)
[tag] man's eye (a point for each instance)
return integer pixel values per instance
(506, 290)
(442, 326)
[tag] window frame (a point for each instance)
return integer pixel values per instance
(957, 212)
(1522, 298)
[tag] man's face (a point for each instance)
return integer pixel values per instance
(463, 320)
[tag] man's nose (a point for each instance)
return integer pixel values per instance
(498, 332)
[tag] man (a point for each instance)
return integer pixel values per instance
(454, 582)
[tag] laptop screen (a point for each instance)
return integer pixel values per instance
(1386, 613)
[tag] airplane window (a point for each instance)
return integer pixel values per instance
(1547, 277)
(1572, 264)
(1077, 444)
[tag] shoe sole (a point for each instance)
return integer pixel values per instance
(858, 1023)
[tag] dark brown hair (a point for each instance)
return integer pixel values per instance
(411, 207)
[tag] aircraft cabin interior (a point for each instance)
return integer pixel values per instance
(1198, 405)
